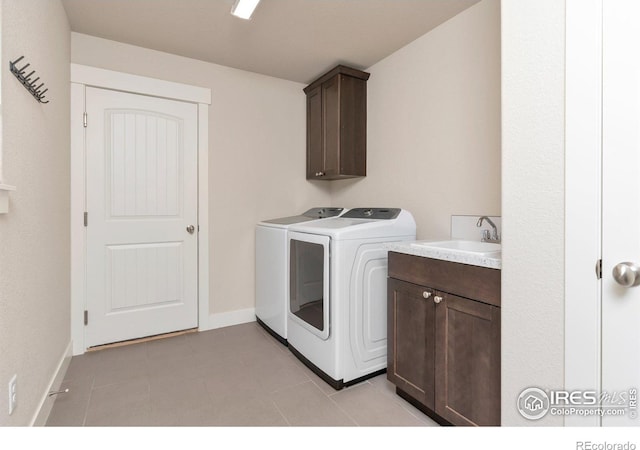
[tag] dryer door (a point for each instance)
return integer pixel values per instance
(309, 282)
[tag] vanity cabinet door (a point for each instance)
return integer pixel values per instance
(467, 361)
(411, 340)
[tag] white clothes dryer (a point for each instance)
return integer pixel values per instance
(272, 268)
(337, 291)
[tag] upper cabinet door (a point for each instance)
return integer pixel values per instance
(353, 126)
(331, 122)
(315, 139)
(337, 124)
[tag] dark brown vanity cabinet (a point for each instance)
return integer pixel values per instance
(467, 362)
(443, 338)
(411, 340)
(337, 125)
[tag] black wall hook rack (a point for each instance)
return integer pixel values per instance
(27, 82)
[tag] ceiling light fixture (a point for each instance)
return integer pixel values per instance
(244, 8)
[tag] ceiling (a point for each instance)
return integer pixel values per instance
(296, 40)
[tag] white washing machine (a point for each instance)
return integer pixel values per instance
(272, 269)
(337, 296)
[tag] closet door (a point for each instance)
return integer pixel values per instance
(621, 212)
(141, 185)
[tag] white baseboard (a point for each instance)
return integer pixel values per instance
(227, 319)
(46, 403)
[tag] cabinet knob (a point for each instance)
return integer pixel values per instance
(320, 174)
(426, 294)
(437, 299)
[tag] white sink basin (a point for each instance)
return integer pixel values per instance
(460, 246)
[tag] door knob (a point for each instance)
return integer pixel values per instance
(191, 229)
(627, 274)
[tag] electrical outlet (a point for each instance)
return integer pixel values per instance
(13, 393)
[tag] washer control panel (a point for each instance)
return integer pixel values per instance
(372, 213)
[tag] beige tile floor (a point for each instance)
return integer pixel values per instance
(234, 376)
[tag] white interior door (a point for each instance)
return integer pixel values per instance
(141, 185)
(621, 205)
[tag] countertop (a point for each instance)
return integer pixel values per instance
(491, 261)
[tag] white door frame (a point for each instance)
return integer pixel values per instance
(81, 77)
(583, 183)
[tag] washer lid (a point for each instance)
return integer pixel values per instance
(311, 214)
(288, 220)
(363, 226)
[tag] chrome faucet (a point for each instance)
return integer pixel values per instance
(486, 236)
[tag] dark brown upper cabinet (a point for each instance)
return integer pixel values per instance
(337, 125)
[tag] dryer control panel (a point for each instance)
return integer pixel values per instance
(372, 213)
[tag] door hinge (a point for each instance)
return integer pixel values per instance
(84, 119)
(86, 317)
(86, 218)
(599, 269)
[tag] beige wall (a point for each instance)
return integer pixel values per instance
(532, 201)
(434, 125)
(256, 154)
(34, 236)
(433, 139)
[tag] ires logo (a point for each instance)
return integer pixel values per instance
(534, 403)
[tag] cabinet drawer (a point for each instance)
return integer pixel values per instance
(479, 283)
